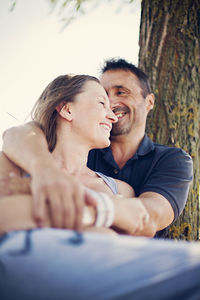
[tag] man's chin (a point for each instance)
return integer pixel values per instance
(115, 134)
(116, 131)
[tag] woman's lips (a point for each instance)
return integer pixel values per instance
(106, 126)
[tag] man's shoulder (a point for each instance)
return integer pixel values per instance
(168, 150)
(148, 146)
(173, 158)
(166, 157)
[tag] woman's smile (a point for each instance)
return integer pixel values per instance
(106, 126)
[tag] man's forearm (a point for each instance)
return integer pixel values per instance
(161, 214)
(26, 146)
(142, 216)
(14, 185)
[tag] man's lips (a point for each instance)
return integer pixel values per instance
(120, 111)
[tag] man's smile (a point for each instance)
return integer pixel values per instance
(120, 112)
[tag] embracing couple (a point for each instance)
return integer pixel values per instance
(85, 163)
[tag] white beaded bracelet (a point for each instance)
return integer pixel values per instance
(105, 209)
(108, 210)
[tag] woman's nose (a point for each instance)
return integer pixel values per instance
(111, 116)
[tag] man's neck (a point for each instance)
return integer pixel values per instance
(125, 146)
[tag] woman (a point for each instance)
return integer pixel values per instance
(75, 115)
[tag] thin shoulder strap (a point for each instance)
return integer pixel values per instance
(109, 181)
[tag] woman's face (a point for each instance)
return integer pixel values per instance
(92, 116)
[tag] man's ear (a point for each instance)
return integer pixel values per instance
(150, 101)
(64, 111)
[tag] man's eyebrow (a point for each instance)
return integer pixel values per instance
(118, 86)
(121, 87)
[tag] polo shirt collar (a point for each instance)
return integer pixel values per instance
(145, 147)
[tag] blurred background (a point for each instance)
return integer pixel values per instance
(36, 47)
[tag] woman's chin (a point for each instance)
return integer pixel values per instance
(107, 144)
(103, 144)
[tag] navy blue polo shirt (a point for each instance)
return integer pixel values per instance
(153, 168)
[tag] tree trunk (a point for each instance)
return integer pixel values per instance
(170, 55)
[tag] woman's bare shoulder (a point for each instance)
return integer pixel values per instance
(125, 189)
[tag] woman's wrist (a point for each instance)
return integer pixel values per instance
(105, 211)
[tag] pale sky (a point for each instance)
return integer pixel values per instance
(34, 49)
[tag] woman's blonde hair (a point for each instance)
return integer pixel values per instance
(63, 89)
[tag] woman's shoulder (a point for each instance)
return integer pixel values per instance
(125, 189)
(111, 182)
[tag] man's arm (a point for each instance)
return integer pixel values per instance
(27, 147)
(131, 215)
(163, 195)
(165, 192)
(11, 181)
(143, 215)
(161, 214)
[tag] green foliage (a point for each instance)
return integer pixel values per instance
(12, 5)
(72, 9)
(69, 10)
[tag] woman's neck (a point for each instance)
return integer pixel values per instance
(71, 153)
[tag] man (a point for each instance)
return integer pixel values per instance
(159, 175)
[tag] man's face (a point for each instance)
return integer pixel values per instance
(127, 102)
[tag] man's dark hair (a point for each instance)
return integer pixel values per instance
(122, 64)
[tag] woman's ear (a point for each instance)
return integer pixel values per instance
(64, 111)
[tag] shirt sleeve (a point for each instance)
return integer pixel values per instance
(171, 177)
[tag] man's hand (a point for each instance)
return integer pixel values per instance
(64, 195)
(12, 185)
(131, 215)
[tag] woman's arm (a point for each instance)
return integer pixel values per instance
(125, 189)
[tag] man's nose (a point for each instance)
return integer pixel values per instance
(113, 102)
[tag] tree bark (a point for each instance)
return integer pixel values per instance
(170, 55)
